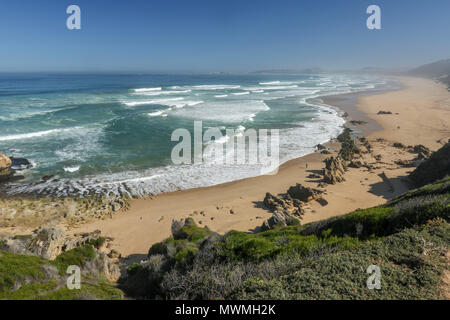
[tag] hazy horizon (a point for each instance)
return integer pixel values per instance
(233, 37)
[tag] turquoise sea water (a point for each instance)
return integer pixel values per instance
(97, 133)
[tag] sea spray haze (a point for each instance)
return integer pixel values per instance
(112, 133)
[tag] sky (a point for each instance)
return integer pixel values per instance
(220, 35)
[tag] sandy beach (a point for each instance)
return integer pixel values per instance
(420, 115)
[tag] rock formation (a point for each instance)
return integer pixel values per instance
(5, 167)
(334, 170)
(287, 204)
(279, 219)
(422, 151)
(304, 194)
(49, 242)
(9, 165)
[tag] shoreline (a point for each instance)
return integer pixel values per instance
(238, 204)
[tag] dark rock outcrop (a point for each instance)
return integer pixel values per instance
(422, 151)
(405, 163)
(399, 145)
(279, 219)
(356, 164)
(320, 147)
(20, 164)
(287, 204)
(8, 166)
(304, 194)
(384, 112)
(434, 168)
(348, 146)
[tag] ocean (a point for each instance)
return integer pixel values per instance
(111, 133)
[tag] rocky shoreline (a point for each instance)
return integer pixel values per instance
(289, 208)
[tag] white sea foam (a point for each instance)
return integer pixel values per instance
(221, 96)
(194, 103)
(216, 87)
(147, 89)
(227, 111)
(281, 87)
(160, 93)
(71, 169)
(155, 114)
(167, 102)
(36, 134)
(183, 104)
(269, 83)
(241, 93)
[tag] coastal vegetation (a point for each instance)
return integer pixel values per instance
(34, 278)
(408, 238)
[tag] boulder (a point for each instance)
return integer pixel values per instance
(5, 162)
(287, 204)
(20, 164)
(5, 167)
(273, 203)
(304, 194)
(334, 170)
(279, 219)
(48, 242)
(320, 147)
(348, 146)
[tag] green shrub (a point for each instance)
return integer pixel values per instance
(133, 269)
(77, 257)
(19, 268)
(193, 233)
(159, 248)
(97, 243)
(22, 236)
(185, 255)
(266, 245)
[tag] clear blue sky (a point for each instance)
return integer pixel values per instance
(220, 35)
